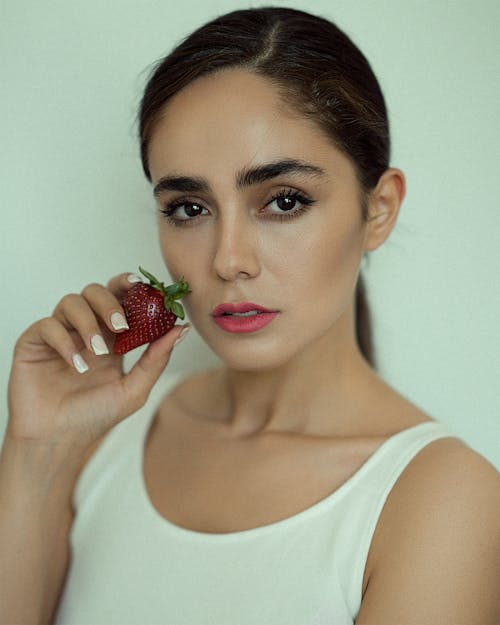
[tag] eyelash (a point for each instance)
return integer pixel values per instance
(170, 208)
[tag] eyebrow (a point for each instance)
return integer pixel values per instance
(244, 178)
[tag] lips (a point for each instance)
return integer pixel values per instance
(239, 308)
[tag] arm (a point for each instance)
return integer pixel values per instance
(58, 414)
(36, 484)
(437, 547)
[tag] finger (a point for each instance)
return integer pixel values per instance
(123, 282)
(106, 305)
(75, 312)
(146, 371)
(50, 331)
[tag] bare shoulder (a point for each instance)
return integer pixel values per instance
(449, 472)
(436, 550)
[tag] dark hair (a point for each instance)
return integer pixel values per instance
(318, 72)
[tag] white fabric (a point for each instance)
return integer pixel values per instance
(130, 566)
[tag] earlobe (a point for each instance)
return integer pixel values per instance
(383, 207)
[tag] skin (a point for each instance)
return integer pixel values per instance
(294, 404)
(305, 267)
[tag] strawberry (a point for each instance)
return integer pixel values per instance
(151, 311)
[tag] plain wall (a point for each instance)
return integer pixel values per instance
(77, 209)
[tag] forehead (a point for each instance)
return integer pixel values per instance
(231, 119)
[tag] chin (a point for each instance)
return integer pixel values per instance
(251, 352)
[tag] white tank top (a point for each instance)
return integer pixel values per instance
(130, 566)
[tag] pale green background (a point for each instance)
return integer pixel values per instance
(76, 208)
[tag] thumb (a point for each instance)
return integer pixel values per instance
(146, 371)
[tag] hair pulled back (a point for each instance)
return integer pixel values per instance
(318, 72)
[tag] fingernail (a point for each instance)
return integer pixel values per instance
(80, 365)
(133, 277)
(182, 335)
(118, 321)
(98, 345)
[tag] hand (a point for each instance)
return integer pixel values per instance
(52, 398)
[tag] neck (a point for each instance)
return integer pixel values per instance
(316, 392)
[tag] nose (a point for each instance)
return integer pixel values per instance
(236, 252)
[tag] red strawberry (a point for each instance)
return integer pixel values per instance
(151, 311)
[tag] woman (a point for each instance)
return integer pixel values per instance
(291, 484)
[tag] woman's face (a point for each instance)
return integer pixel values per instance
(298, 254)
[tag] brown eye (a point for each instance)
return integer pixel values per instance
(193, 210)
(286, 201)
(180, 213)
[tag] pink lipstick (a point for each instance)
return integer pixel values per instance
(242, 317)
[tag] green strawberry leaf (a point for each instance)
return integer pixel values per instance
(148, 275)
(177, 309)
(177, 290)
(171, 292)
(173, 289)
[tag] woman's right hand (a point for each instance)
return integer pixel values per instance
(50, 401)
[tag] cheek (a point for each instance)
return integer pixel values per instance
(342, 253)
(326, 265)
(178, 260)
(317, 264)
(185, 256)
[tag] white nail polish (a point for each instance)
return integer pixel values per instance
(182, 335)
(99, 347)
(80, 365)
(118, 321)
(133, 278)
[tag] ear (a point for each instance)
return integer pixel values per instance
(383, 207)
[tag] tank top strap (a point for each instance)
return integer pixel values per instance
(377, 479)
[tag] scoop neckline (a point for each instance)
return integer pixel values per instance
(316, 508)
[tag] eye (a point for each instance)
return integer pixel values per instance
(289, 203)
(286, 202)
(179, 213)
